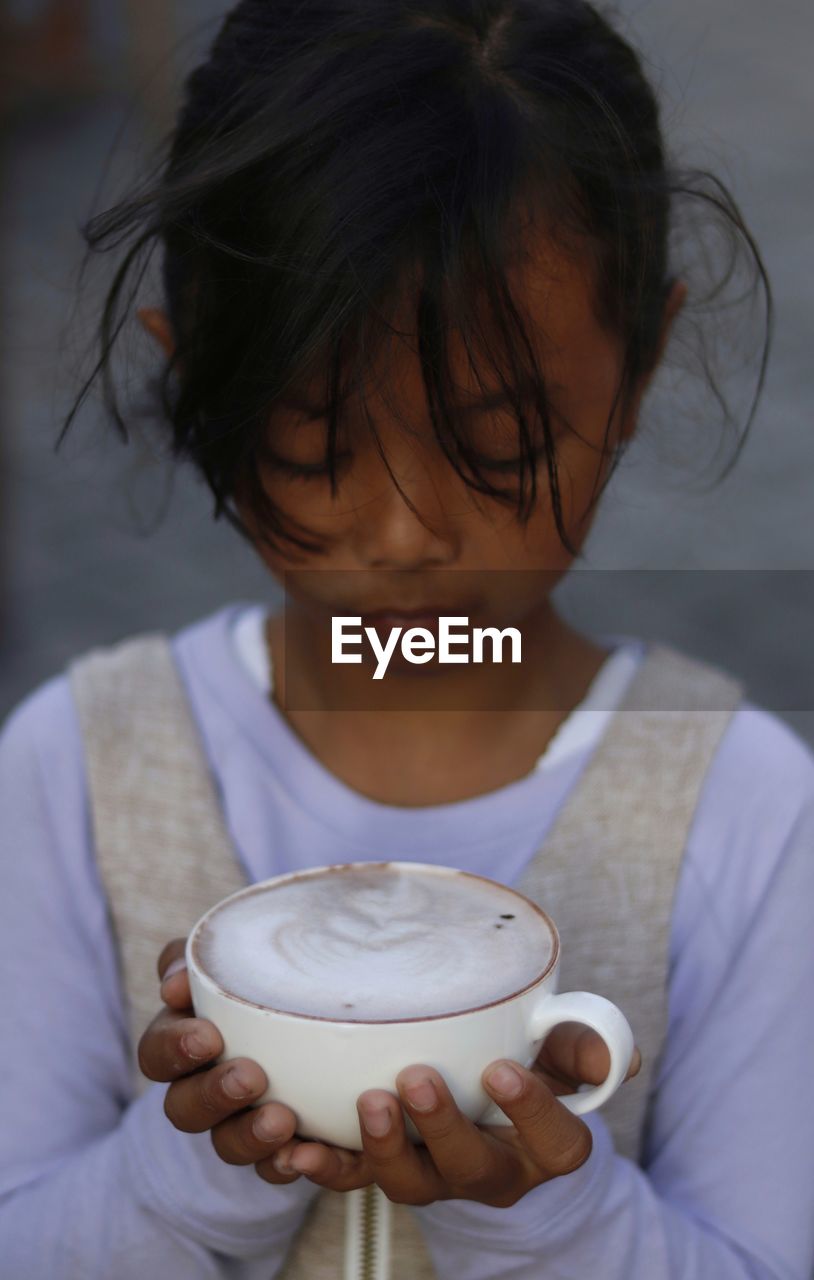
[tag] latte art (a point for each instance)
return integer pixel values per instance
(375, 944)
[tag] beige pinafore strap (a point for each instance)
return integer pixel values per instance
(608, 869)
(163, 853)
(165, 857)
(606, 872)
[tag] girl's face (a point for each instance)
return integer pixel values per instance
(380, 554)
(368, 526)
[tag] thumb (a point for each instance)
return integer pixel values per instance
(576, 1054)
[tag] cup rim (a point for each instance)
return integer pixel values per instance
(194, 962)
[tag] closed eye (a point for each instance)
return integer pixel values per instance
(506, 464)
(304, 470)
(319, 470)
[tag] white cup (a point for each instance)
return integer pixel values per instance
(318, 1066)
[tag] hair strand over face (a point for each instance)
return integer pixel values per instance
(325, 153)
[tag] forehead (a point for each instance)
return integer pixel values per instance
(554, 292)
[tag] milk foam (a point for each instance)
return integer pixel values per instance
(376, 944)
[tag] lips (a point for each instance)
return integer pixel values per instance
(427, 617)
(422, 611)
(406, 615)
(384, 623)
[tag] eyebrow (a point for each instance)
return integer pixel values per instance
(496, 400)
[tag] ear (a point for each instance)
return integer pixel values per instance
(156, 323)
(674, 302)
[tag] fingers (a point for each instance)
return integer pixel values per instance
(174, 950)
(458, 1160)
(176, 1048)
(254, 1134)
(172, 972)
(406, 1173)
(577, 1054)
(167, 1049)
(471, 1164)
(555, 1140)
(173, 1045)
(200, 1101)
(327, 1166)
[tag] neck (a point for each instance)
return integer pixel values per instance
(418, 755)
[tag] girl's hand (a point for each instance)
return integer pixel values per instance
(494, 1164)
(177, 1046)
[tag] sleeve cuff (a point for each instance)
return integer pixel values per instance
(180, 1177)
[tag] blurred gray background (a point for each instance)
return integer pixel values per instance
(100, 541)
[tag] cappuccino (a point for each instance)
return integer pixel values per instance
(375, 942)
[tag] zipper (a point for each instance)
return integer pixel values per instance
(367, 1234)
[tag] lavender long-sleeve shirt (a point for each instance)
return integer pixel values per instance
(94, 1184)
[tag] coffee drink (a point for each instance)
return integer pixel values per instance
(385, 964)
(375, 942)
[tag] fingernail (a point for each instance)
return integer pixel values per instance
(504, 1080)
(422, 1095)
(303, 1162)
(172, 969)
(376, 1120)
(197, 1045)
(267, 1127)
(237, 1083)
(281, 1164)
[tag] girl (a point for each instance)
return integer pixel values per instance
(416, 283)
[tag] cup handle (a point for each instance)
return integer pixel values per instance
(604, 1018)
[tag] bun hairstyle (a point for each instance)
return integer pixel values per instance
(332, 154)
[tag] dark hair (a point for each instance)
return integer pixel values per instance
(327, 150)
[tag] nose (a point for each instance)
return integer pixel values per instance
(407, 529)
